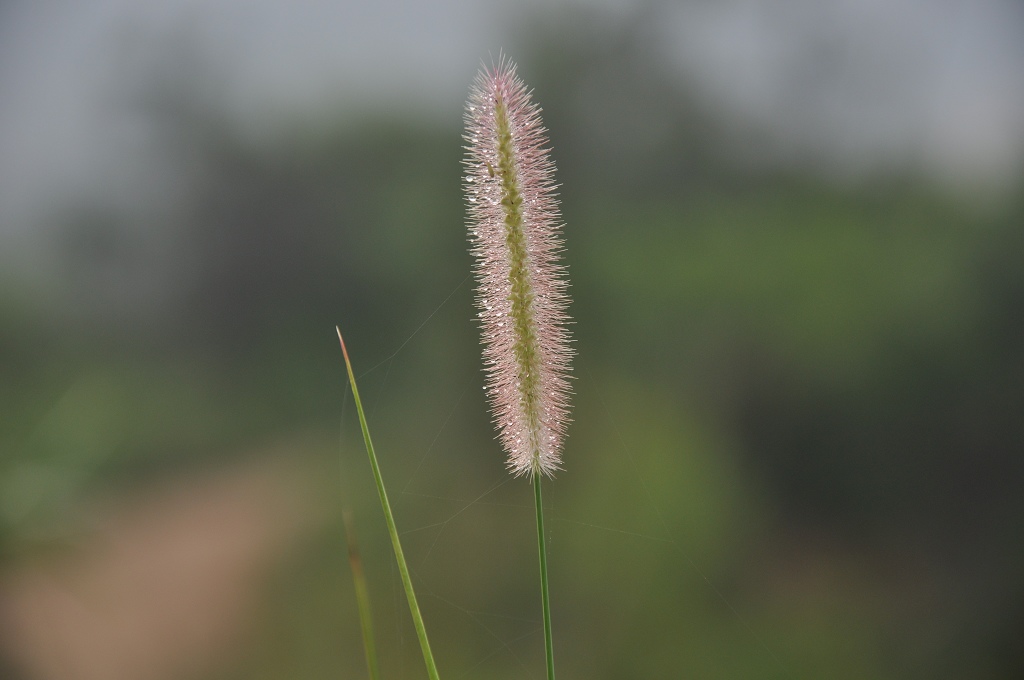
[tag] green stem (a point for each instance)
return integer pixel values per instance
(362, 595)
(414, 608)
(545, 598)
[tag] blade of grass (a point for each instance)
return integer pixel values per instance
(549, 655)
(362, 595)
(414, 608)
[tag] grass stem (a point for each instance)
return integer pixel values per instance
(403, 568)
(362, 596)
(544, 596)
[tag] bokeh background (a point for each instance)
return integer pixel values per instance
(794, 237)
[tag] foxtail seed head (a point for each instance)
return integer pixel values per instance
(514, 232)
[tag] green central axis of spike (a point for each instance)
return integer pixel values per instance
(521, 295)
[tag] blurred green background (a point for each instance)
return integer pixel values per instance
(796, 448)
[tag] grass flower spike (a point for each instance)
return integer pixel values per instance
(515, 235)
(521, 287)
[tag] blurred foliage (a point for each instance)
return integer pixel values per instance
(797, 437)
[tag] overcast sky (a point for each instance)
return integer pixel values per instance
(934, 83)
